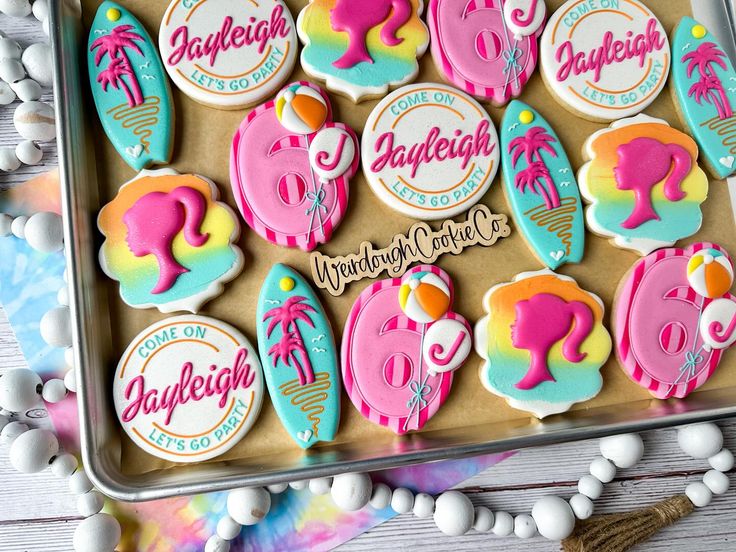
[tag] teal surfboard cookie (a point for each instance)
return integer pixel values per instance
(540, 187)
(130, 88)
(704, 87)
(299, 357)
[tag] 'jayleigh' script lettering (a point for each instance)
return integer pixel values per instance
(420, 245)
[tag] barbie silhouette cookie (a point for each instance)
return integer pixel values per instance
(480, 50)
(643, 183)
(168, 241)
(540, 186)
(674, 318)
(401, 344)
(130, 87)
(543, 343)
(704, 87)
(361, 49)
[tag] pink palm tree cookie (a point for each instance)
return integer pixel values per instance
(709, 88)
(290, 348)
(536, 175)
(114, 45)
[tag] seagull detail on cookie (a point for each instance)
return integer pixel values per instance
(643, 184)
(402, 342)
(169, 242)
(543, 343)
(674, 317)
(704, 88)
(342, 49)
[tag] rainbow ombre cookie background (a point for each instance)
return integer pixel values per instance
(505, 365)
(218, 260)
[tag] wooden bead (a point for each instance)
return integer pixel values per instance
(423, 505)
(320, 486)
(33, 450)
(56, 327)
(11, 432)
(603, 470)
(10, 49)
(453, 513)
(37, 60)
(62, 296)
(299, 485)
(15, 8)
(90, 503)
(8, 160)
(278, 488)
(27, 90)
(5, 221)
(581, 506)
(11, 70)
(351, 491)
(722, 461)
(69, 356)
(380, 496)
(228, 528)
(45, 232)
(402, 500)
(17, 227)
(97, 533)
(216, 544)
(35, 120)
(716, 481)
(700, 440)
(54, 391)
(249, 505)
(624, 451)
(554, 518)
(20, 389)
(524, 526)
(70, 380)
(483, 519)
(699, 494)
(7, 96)
(79, 483)
(64, 465)
(503, 524)
(590, 487)
(40, 9)
(29, 152)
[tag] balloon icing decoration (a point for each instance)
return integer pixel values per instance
(674, 316)
(290, 167)
(488, 48)
(543, 342)
(704, 86)
(540, 186)
(361, 49)
(169, 242)
(401, 344)
(130, 88)
(643, 183)
(299, 357)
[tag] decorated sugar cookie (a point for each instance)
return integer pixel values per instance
(487, 48)
(543, 342)
(299, 357)
(361, 49)
(290, 168)
(540, 186)
(674, 317)
(704, 87)
(429, 151)
(228, 54)
(644, 184)
(130, 88)
(604, 60)
(402, 342)
(188, 388)
(169, 242)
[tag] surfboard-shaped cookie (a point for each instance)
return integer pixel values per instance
(299, 357)
(540, 187)
(129, 87)
(704, 87)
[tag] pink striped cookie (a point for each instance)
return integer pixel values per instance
(401, 344)
(290, 167)
(659, 314)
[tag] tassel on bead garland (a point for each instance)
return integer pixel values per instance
(620, 532)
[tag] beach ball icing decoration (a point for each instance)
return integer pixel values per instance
(424, 297)
(709, 273)
(301, 109)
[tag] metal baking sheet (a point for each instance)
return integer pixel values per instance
(100, 432)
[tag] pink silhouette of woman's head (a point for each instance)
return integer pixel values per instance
(357, 17)
(642, 164)
(543, 320)
(153, 222)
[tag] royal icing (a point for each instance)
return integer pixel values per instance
(524, 17)
(429, 151)
(168, 241)
(543, 343)
(643, 183)
(605, 59)
(476, 50)
(540, 186)
(299, 357)
(401, 343)
(361, 49)
(704, 86)
(290, 167)
(188, 388)
(129, 87)
(673, 318)
(228, 54)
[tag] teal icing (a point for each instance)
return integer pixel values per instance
(561, 236)
(142, 133)
(710, 125)
(319, 345)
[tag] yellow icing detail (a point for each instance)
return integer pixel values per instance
(280, 102)
(694, 262)
(404, 292)
(286, 283)
(698, 31)
(113, 14)
(526, 117)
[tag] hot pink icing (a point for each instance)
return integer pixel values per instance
(543, 320)
(436, 351)
(517, 15)
(322, 158)
(531, 145)
(153, 222)
(357, 17)
(290, 349)
(719, 334)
